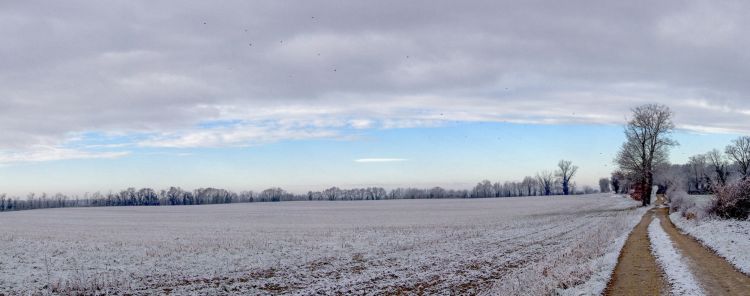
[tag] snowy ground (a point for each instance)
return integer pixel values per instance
(496, 246)
(695, 204)
(680, 278)
(728, 238)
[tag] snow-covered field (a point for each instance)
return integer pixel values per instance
(508, 246)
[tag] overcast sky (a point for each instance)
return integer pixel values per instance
(98, 85)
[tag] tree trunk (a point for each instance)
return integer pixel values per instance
(649, 184)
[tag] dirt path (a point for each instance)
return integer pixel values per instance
(715, 274)
(637, 272)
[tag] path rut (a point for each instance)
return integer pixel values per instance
(637, 272)
(715, 275)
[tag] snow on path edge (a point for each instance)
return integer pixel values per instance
(678, 274)
(605, 265)
(730, 239)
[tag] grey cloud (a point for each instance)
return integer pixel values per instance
(162, 68)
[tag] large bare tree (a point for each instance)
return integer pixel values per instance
(566, 171)
(647, 144)
(739, 151)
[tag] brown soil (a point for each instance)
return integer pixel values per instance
(637, 272)
(715, 275)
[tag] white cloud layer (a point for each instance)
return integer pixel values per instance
(276, 70)
(38, 154)
(376, 160)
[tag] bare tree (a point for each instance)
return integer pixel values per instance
(546, 181)
(272, 194)
(647, 144)
(699, 178)
(529, 185)
(566, 171)
(332, 193)
(617, 178)
(484, 189)
(720, 166)
(604, 185)
(739, 151)
(437, 192)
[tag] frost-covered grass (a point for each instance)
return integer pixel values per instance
(591, 259)
(535, 245)
(728, 238)
(694, 206)
(670, 260)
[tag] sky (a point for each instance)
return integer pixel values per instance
(98, 96)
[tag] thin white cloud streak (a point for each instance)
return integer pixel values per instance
(379, 160)
(236, 136)
(46, 153)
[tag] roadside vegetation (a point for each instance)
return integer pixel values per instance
(709, 196)
(643, 164)
(721, 178)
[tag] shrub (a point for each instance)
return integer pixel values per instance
(732, 201)
(684, 204)
(679, 201)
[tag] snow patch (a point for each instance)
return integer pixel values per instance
(728, 238)
(670, 260)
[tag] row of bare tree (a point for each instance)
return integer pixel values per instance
(706, 173)
(545, 183)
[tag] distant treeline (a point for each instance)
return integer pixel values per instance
(545, 183)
